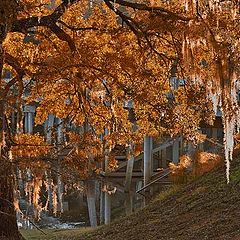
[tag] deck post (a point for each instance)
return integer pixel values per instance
(147, 164)
(107, 207)
(59, 177)
(128, 203)
(26, 122)
(128, 182)
(90, 190)
(107, 197)
(147, 159)
(175, 151)
(129, 171)
(139, 197)
(49, 125)
(101, 207)
(30, 122)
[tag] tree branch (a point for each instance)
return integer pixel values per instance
(126, 19)
(62, 35)
(23, 25)
(144, 7)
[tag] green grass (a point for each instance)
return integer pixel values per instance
(168, 192)
(54, 234)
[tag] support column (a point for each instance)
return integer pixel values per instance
(147, 162)
(164, 158)
(176, 151)
(49, 125)
(101, 210)
(147, 159)
(128, 203)
(139, 197)
(91, 201)
(128, 194)
(59, 177)
(30, 122)
(107, 207)
(26, 122)
(107, 197)
(130, 164)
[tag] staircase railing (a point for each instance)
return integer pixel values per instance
(164, 174)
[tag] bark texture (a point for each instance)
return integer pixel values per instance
(8, 220)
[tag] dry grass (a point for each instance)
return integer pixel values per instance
(206, 208)
(54, 234)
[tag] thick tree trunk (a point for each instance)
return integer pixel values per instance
(8, 220)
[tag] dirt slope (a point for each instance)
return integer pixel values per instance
(207, 208)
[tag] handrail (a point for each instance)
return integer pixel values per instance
(154, 150)
(149, 184)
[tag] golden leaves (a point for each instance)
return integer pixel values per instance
(29, 146)
(86, 155)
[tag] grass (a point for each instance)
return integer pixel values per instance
(204, 208)
(75, 234)
(168, 192)
(54, 234)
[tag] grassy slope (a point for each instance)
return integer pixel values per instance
(207, 208)
(53, 234)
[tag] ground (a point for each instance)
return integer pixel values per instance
(54, 234)
(206, 208)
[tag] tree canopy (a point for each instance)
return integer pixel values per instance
(83, 61)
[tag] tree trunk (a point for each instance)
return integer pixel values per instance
(8, 220)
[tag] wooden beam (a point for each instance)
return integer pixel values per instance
(163, 146)
(122, 174)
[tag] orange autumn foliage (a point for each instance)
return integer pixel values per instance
(201, 162)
